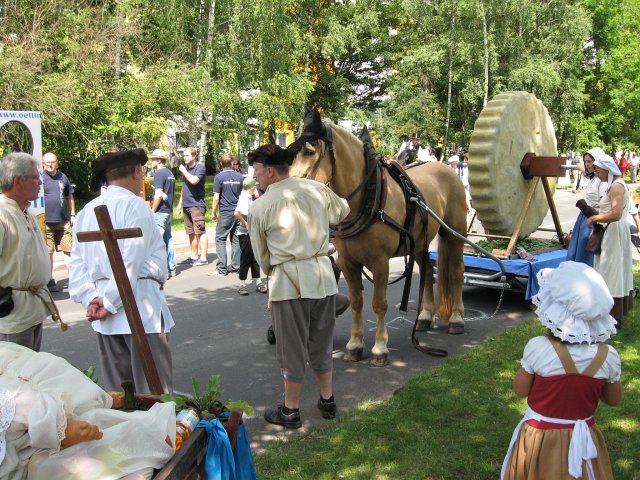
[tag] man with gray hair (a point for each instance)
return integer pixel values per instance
(24, 259)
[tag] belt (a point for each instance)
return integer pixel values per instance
(581, 446)
(43, 294)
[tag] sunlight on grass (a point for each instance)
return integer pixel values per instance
(453, 421)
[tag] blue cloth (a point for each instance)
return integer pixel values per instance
(57, 189)
(226, 227)
(165, 181)
(221, 462)
(228, 183)
(518, 267)
(193, 195)
(577, 250)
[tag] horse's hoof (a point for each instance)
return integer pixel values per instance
(379, 360)
(456, 328)
(353, 355)
(423, 325)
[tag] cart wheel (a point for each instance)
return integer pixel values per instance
(271, 336)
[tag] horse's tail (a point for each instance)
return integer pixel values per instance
(450, 273)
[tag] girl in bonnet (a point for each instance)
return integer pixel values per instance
(564, 375)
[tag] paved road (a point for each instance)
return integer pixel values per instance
(220, 332)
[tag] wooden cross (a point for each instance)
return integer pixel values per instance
(110, 237)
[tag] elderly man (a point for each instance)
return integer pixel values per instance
(92, 284)
(60, 211)
(193, 206)
(289, 229)
(164, 184)
(24, 260)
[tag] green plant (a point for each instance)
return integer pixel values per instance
(91, 373)
(207, 400)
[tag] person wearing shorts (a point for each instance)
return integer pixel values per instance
(60, 212)
(193, 206)
(302, 286)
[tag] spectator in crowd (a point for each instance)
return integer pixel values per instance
(614, 262)
(289, 229)
(409, 150)
(633, 166)
(164, 184)
(594, 190)
(624, 165)
(60, 212)
(564, 375)
(247, 259)
(193, 206)
(227, 186)
(25, 267)
(93, 285)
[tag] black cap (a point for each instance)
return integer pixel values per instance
(270, 154)
(111, 160)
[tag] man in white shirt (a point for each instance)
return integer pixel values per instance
(24, 259)
(289, 229)
(92, 284)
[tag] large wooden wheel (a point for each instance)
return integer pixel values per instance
(512, 124)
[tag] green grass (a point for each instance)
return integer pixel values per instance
(452, 422)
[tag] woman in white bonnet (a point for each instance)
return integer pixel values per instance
(615, 259)
(564, 375)
(592, 193)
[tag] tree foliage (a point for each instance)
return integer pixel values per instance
(112, 72)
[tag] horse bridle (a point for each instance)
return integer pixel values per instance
(327, 139)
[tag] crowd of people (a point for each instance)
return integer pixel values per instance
(265, 216)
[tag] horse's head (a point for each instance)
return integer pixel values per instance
(311, 152)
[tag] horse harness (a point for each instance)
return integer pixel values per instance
(374, 187)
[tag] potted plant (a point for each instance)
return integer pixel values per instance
(206, 403)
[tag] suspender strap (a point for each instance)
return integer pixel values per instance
(598, 360)
(565, 356)
(570, 367)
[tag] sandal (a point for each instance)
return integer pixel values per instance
(261, 287)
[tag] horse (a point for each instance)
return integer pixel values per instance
(334, 156)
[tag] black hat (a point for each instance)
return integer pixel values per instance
(416, 136)
(270, 154)
(111, 160)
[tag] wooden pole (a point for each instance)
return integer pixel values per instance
(110, 237)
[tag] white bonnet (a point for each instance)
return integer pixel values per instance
(596, 153)
(607, 163)
(574, 303)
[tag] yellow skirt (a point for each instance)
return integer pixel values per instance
(544, 455)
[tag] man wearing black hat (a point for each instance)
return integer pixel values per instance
(91, 281)
(409, 151)
(289, 230)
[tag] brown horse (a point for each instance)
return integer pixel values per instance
(332, 155)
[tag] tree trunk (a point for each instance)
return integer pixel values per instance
(485, 37)
(204, 116)
(450, 85)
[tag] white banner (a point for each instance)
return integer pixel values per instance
(32, 122)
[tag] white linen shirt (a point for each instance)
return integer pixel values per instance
(289, 230)
(90, 273)
(24, 262)
(541, 358)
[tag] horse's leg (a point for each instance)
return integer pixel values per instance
(450, 282)
(380, 352)
(353, 275)
(426, 318)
